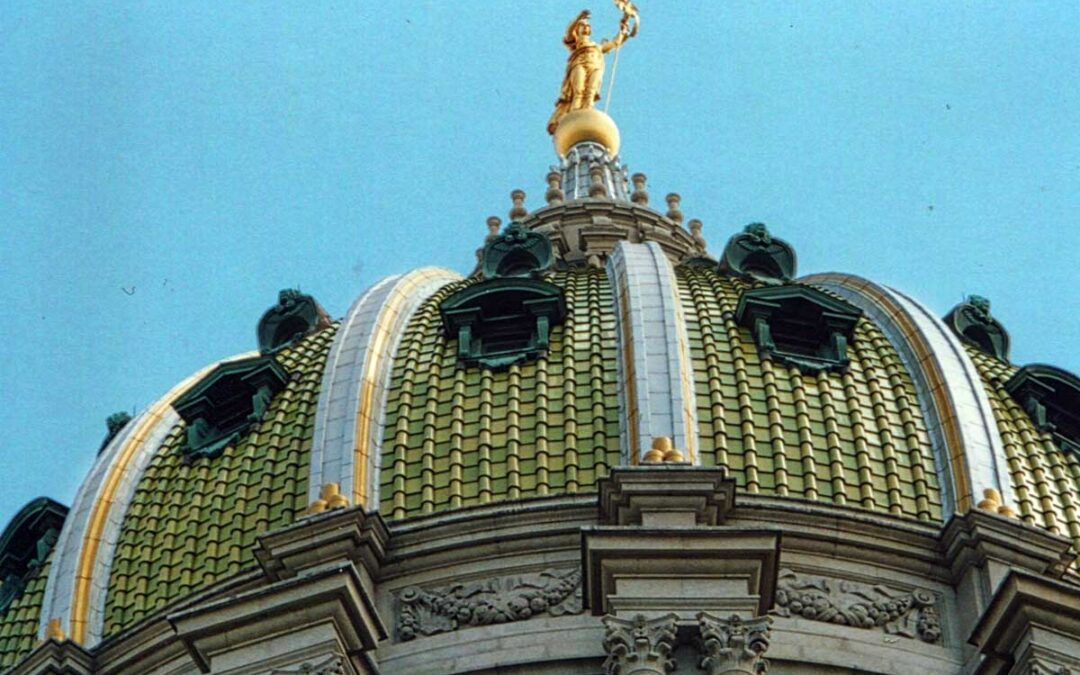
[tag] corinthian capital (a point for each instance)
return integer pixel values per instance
(639, 646)
(733, 646)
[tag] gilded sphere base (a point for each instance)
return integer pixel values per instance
(586, 125)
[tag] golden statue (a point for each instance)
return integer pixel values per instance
(585, 66)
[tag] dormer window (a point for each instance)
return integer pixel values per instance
(1051, 397)
(506, 318)
(25, 545)
(227, 403)
(799, 325)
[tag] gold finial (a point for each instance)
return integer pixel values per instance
(992, 502)
(330, 498)
(518, 210)
(673, 212)
(640, 196)
(53, 631)
(575, 119)
(662, 450)
(554, 194)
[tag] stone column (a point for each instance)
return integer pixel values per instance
(639, 646)
(733, 646)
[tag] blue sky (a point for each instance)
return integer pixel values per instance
(166, 167)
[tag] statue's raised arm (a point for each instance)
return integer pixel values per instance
(585, 65)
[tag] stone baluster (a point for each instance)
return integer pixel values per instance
(597, 188)
(640, 195)
(554, 194)
(673, 212)
(493, 225)
(518, 210)
(695, 231)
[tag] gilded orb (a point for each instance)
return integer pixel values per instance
(588, 124)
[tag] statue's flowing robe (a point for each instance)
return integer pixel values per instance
(591, 58)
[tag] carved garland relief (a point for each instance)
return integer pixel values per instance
(911, 614)
(431, 611)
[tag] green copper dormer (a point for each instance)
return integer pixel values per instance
(1051, 397)
(799, 325)
(972, 323)
(223, 407)
(506, 318)
(25, 545)
(755, 255)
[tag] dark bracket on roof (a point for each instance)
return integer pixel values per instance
(295, 316)
(755, 254)
(972, 323)
(516, 252)
(1051, 397)
(799, 325)
(506, 318)
(25, 545)
(115, 422)
(227, 403)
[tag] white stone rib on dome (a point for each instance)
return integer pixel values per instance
(963, 434)
(352, 398)
(104, 497)
(657, 393)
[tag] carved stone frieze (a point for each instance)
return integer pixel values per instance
(332, 666)
(734, 645)
(513, 598)
(911, 614)
(639, 645)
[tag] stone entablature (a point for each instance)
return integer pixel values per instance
(586, 231)
(331, 586)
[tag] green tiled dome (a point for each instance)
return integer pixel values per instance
(1045, 476)
(19, 622)
(855, 438)
(191, 524)
(458, 436)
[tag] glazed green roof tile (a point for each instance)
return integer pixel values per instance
(191, 524)
(458, 436)
(855, 438)
(1046, 478)
(19, 623)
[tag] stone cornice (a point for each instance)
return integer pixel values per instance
(642, 495)
(56, 658)
(583, 228)
(334, 536)
(334, 594)
(969, 540)
(1025, 602)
